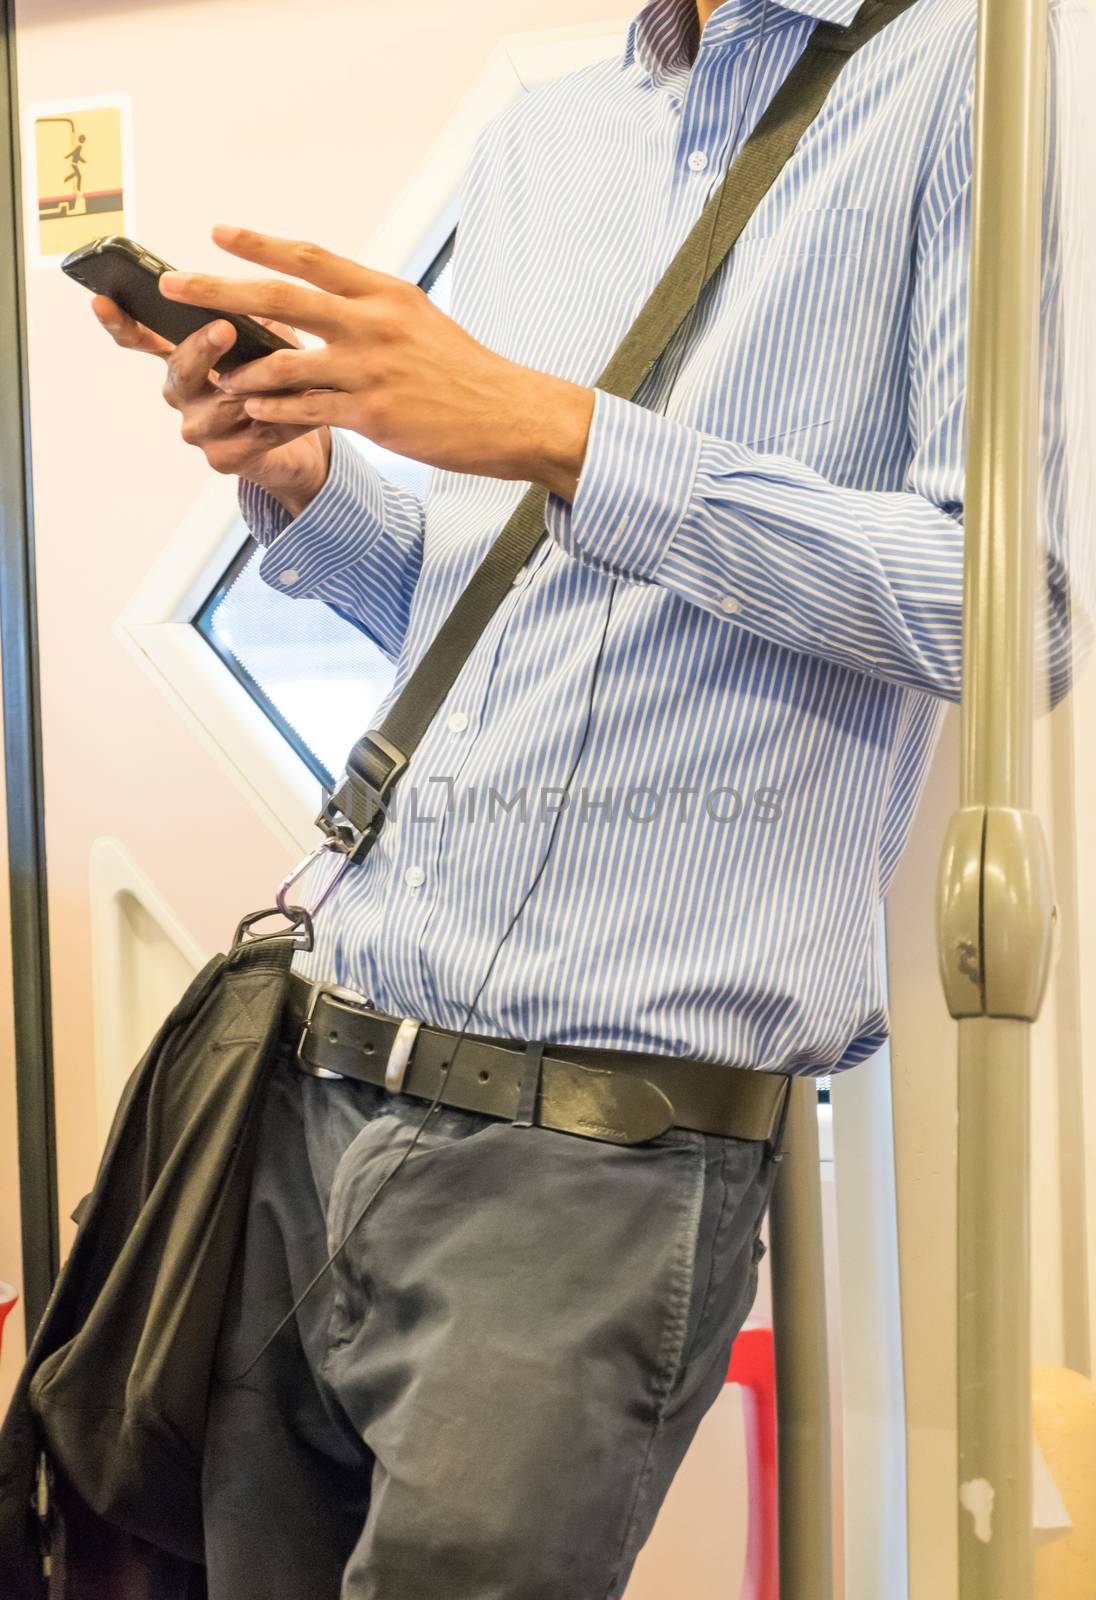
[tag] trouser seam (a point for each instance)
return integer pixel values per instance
(717, 1236)
(674, 1335)
(642, 1479)
(671, 1356)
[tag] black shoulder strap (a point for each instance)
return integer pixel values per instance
(353, 816)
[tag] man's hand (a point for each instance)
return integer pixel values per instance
(290, 461)
(392, 367)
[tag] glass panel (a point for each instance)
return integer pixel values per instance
(315, 674)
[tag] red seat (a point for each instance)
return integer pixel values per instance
(753, 1367)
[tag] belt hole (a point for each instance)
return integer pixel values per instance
(483, 1077)
(444, 1067)
(333, 1036)
(369, 1049)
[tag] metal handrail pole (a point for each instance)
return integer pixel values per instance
(802, 1363)
(995, 905)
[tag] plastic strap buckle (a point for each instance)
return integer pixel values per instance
(354, 814)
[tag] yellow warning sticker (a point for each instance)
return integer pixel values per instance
(82, 163)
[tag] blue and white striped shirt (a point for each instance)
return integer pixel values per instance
(780, 533)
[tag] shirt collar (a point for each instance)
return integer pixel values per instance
(662, 36)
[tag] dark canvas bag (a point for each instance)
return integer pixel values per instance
(113, 1394)
(116, 1378)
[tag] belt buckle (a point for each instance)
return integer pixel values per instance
(337, 991)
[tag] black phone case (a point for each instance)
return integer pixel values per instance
(130, 276)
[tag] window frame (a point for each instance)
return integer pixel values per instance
(203, 619)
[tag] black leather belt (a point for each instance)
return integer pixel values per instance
(623, 1097)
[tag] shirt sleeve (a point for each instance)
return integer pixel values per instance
(357, 546)
(870, 580)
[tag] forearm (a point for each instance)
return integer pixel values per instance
(558, 418)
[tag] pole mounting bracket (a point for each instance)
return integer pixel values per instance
(995, 913)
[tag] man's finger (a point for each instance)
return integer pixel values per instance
(314, 408)
(124, 331)
(214, 416)
(283, 371)
(281, 328)
(189, 364)
(299, 258)
(256, 297)
(237, 452)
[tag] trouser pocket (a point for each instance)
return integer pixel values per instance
(728, 1247)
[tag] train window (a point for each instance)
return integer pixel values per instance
(315, 675)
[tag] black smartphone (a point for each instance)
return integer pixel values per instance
(130, 276)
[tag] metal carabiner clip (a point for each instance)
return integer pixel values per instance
(326, 848)
(298, 917)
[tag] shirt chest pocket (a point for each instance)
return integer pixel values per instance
(793, 315)
(828, 233)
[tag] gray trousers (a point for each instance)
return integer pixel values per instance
(489, 1393)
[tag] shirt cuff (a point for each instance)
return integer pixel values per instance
(334, 529)
(636, 485)
(265, 516)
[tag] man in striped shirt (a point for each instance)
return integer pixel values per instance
(716, 684)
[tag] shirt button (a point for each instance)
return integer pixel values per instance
(290, 575)
(413, 877)
(457, 722)
(730, 604)
(697, 161)
(521, 576)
